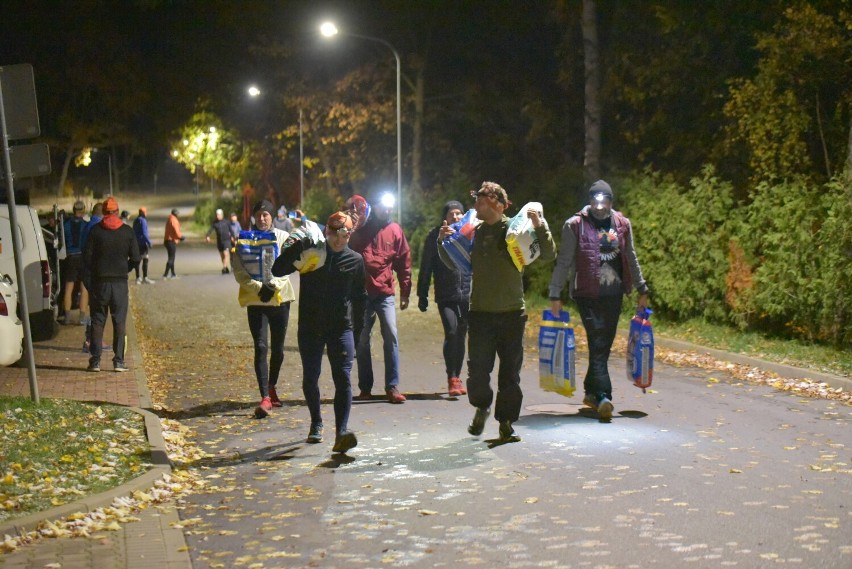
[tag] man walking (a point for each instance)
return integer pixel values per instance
(452, 295)
(222, 229)
(327, 297)
(111, 253)
(385, 250)
(497, 310)
(598, 261)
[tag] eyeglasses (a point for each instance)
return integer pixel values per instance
(340, 231)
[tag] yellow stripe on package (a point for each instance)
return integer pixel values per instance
(556, 354)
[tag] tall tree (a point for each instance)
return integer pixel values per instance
(592, 123)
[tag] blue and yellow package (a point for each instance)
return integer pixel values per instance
(556, 354)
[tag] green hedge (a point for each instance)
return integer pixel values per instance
(779, 264)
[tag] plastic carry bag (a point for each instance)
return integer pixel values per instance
(556, 354)
(459, 244)
(521, 238)
(312, 257)
(640, 350)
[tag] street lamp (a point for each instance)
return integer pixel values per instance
(254, 92)
(328, 29)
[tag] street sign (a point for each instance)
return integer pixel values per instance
(28, 160)
(19, 100)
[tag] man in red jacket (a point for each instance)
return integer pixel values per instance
(385, 250)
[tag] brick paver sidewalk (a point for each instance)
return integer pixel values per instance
(61, 374)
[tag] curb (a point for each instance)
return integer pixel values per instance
(171, 551)
(161, 466)
(782, 370)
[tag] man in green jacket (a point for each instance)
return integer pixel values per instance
(497, 314)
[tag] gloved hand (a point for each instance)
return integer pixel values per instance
(266, 293)
(423, 303)
(183, 238)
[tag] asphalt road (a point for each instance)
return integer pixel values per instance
(701, 471)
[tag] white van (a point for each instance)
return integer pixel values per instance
(11, 327)
(41, 296)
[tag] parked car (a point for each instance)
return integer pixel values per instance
(38, 282)
(11, 327)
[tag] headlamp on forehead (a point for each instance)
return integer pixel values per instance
(601, 199)
(388, 200)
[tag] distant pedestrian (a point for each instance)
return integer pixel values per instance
(72, 265)
(171, 238)
(497, 310)
(222, 229)
(140, 229)
(235, 227)
(85, 318)
(385, 250)
(111, 250)
(267, 301)
(125, 217)
(282, 221)
(598, 261)
(327, 295)
(452, 295)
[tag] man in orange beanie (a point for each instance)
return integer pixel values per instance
(110, 253)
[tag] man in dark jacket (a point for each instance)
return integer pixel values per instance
(110, 253)
(326, 299)
(452, 294)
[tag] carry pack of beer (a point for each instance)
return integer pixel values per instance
(640, 350)
(521, 238)
(258, 251)
(459, 245)
(313, 255)
(556, 353)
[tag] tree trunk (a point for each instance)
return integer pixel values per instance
(69, 154)
(592, 156)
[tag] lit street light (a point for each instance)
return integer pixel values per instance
(328, 29)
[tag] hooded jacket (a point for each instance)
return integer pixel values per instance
(111, 251)
(385, 250)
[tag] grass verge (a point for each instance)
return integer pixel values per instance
(61, 450)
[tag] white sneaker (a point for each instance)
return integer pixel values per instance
(147, 280)
(139, 280)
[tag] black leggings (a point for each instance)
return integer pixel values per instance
(171, 249)
(274, 319)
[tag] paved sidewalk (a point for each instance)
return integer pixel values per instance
(150, 542)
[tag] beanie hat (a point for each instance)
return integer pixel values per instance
(175, 212)
(143, 211)
(264, 205)
(451, 205)
(600, 187)
(361, 207)
(110, 205)
(338, 220)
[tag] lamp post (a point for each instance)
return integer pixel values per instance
(328, 29)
